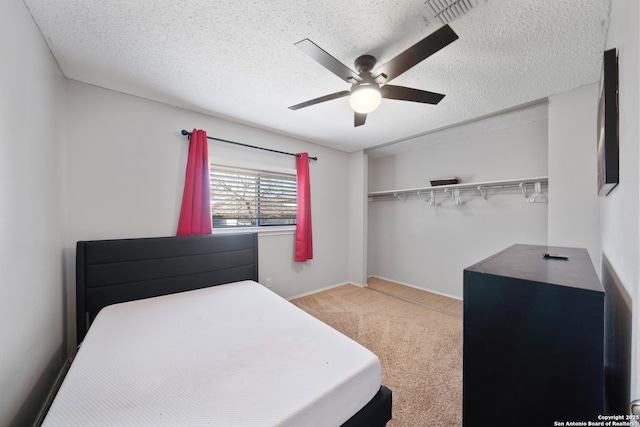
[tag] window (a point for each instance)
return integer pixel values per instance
(251, 198)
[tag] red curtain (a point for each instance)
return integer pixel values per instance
(195, 213)
(304, 241)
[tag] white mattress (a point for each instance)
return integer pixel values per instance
(229, 355)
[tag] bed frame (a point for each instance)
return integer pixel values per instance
(114, 271)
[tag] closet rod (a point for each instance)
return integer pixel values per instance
(188, 134)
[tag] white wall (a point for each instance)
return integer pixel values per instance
(126, 165)
(621, 208)
(32, 125)
(574, 205)
(429, 246)
(358, 170)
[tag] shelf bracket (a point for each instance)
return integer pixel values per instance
(400, 196)
(523, 187)
(483, 192)
(538, 196)
(454, 193)
(430, 197)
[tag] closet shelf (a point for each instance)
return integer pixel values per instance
(454, 189)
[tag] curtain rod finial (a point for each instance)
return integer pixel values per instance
(184, 132)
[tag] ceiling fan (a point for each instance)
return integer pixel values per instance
(368, 88)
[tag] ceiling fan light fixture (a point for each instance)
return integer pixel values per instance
(365, 98)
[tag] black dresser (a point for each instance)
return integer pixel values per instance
(533, 339)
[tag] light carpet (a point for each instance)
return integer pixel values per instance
(416, 335)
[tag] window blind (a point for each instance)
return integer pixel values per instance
(251, 198)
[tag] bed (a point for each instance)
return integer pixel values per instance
(181, 334)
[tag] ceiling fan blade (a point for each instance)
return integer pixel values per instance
(359, 119)
(321, 99)
(409, 94)
(328, 61)
(415, 54)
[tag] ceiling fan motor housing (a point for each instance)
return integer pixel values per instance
(365, 63)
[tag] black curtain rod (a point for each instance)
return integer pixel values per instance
(188, 134)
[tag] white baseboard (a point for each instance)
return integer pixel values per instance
(419, 287)
(326, 288)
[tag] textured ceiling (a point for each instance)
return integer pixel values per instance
(237, 59)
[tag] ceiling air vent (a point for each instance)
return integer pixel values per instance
(446, 11)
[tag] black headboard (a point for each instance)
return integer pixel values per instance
(113, 271)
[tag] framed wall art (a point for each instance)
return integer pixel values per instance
(608, 148)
